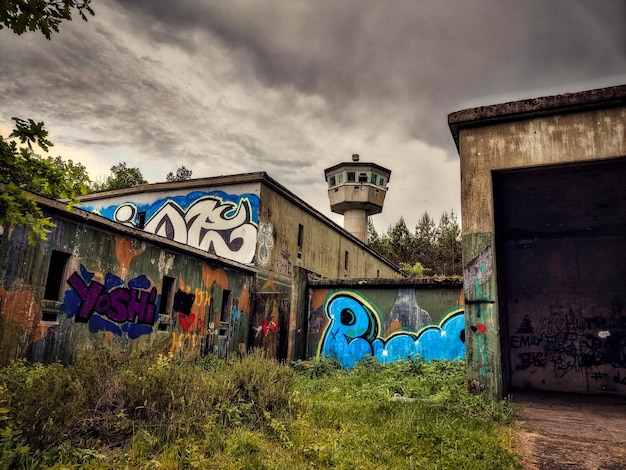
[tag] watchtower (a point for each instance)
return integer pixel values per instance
(357, 190)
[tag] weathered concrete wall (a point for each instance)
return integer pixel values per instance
(112, 283)
(566, 129)
(323, 249)
(292, 240)
(537, 141)
(252, 220)
(484, 356)
(391, 321)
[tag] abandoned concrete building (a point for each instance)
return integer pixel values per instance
(206, 260)
(213, 266)
(220, 265)
(544, 242)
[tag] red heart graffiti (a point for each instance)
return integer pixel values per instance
(186, 320)
(200, 324)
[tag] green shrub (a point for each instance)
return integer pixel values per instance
(319, 367)
(147, 411)
(253, 385)
(43, 402)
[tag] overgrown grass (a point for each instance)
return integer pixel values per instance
(106, 411)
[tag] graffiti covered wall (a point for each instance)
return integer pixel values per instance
(83, 283)
(390, 324)
(565, 327)
(217, 222)
(114, 306)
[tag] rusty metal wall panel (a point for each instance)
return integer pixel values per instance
(268, 317)
(112, 285)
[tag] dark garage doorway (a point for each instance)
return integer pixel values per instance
(561, 264)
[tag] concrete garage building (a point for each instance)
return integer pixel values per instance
(543, 185)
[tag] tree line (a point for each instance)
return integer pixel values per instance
(430, 250)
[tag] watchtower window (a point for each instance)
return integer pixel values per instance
(340, 178)
(374, 178)
(362, 177)
(381, 181)
(332, 181)
(351, 177)
(345, 261)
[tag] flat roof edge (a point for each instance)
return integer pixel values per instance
(241, 178)
(417, 283)
(95, 220)
(514, 110)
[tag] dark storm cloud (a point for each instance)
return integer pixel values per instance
(406, 60)
(291, 87)
(86, 78)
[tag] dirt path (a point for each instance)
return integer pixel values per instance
(566, 431)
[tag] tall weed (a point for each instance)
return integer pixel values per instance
(147, 411)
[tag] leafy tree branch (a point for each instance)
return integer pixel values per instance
(40, 15)
(22, 170)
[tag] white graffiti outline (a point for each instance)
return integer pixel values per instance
(210, 224)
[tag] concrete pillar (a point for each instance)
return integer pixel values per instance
(355, 222)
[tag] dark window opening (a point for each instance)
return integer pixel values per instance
(166, 294)
(166, 303)
(49, 315)
(332, 181)
(300, 235)
(362, 177)
(141, 219)
(351, 177)
(345, 261)
(340, 177)
(381, 181)
(56, 275)
(225, 312)
(374, 178)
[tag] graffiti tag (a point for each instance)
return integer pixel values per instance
(353, 332)
(104, 307)
(216, 222)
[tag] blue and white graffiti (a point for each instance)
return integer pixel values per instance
(353, 332)
(216, 222)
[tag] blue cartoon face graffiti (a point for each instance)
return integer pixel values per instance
(353, 333)
(352, 328)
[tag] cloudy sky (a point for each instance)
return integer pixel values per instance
(292, 87)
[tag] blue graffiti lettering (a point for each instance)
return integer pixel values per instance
(353, 333)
